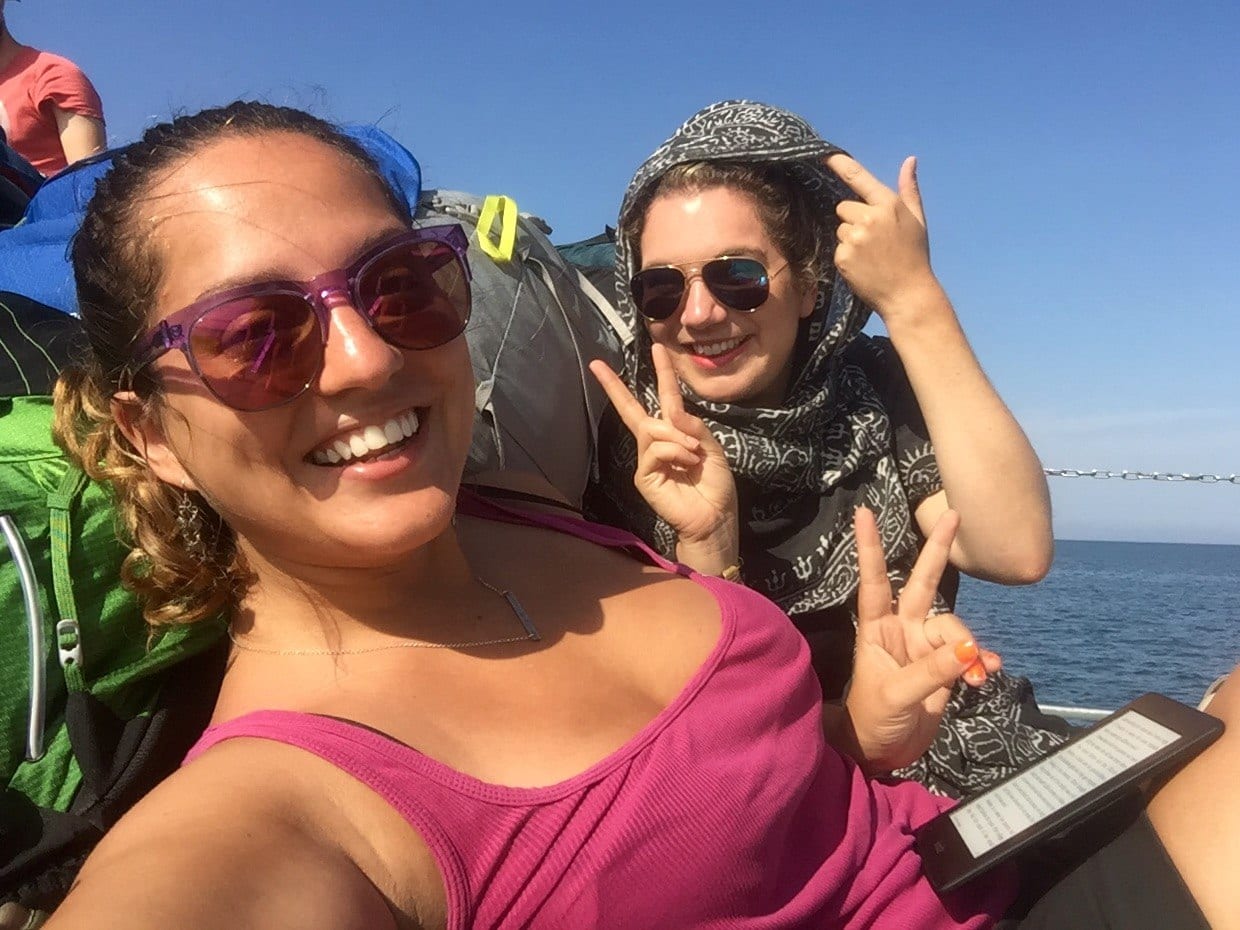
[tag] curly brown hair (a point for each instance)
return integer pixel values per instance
(118, 273)
(785, 212)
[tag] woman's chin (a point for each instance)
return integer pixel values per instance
(398, 527)
(747, 389)
(726, 390)
(373, 534)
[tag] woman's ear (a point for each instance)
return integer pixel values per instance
(142, 427)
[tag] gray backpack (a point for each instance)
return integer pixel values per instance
(537, 323)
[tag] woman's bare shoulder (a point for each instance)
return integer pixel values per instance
(227, 842)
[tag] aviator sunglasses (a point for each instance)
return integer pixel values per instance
(261, 345)
(738, 283)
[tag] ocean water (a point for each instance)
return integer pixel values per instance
(1113, 620)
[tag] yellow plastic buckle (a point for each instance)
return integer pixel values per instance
(497, 206)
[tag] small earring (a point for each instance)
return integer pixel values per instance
(189, 527)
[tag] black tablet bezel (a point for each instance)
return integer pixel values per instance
(946, 859)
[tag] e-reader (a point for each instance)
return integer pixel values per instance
(1119, 755)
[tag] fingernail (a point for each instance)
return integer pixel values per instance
(966, 651)
(975, 674)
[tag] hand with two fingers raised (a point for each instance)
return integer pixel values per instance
(682, 471)
(907, 661)
(883, 251)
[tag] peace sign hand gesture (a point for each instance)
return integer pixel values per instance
(883, 251)
(682, 471)
(906, 661)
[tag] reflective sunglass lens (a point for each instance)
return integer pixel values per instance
(257, 352)
(739, 283)
(416, 295)
(657, 292)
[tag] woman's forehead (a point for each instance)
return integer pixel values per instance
(241, 174)
(278, 205)
(720, 219)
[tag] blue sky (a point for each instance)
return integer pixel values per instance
(1080, 164)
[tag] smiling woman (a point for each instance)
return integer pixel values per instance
(426, 721)
(719, 355)
(751, 251)
(223, 248)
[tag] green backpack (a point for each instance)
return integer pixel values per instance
(91, 715)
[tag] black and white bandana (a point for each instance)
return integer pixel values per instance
(849, 433)
(846, 435)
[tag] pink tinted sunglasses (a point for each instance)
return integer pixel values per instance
(261, 345)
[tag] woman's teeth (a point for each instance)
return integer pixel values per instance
(711, 349)
(367, 441)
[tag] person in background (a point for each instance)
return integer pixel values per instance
(49, 110)
(752, 252)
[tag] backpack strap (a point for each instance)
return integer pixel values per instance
(34, 633)
(68, 632)
(614, 319)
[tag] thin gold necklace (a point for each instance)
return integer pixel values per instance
(531, 635)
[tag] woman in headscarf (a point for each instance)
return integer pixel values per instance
(752, 252)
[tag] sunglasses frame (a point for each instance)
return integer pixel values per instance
(321, 294)
(690, 271)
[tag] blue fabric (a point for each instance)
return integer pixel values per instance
(400, 169)
(34, 255)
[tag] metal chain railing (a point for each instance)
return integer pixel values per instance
(1127, 475)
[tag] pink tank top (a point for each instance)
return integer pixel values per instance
(726, 810)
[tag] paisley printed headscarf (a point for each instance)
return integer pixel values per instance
(849, 433)
(836, 443)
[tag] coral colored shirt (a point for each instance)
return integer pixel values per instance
(33, 83)
(728, 810)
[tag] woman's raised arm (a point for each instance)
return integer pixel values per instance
(991, 475)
